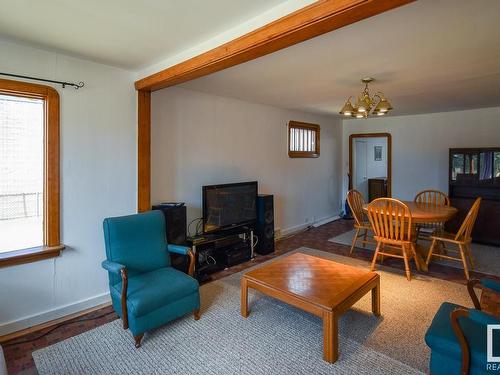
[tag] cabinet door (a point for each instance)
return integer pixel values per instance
(457, 165)
(496, 167)
(487, 223)
(465, 167)
(485, 167)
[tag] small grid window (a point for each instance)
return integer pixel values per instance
(303, 140)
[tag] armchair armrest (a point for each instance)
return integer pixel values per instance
(475, 315)
(470, 288)
(464, 346)
(178, 249)
(112, 267)
(184, 250)
(120, 269)
(491, 284)
(483, 318)
(486, 283)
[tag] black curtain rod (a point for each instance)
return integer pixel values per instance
(77, 86)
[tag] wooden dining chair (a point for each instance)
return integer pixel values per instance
(432, 198)
(361, 223)
(392, 223)
(462, 239)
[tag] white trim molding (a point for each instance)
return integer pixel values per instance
(49, 315)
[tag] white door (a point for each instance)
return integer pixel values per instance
(360, 168)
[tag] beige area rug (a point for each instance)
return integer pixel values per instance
(486, 258)
(274, 339)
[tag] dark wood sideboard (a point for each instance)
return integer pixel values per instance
(377, 188)
(475, 172)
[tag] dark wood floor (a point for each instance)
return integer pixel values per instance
(18, 352)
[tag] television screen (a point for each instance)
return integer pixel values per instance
(229, 205)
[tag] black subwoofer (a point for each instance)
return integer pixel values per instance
(264, 229)
(175, 223)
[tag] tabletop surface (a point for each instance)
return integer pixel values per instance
(421, 212)
(313, 279)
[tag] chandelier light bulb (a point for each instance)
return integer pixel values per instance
(347, 109)
(365, 103)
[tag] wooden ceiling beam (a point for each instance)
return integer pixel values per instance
(316, 19)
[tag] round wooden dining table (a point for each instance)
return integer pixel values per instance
(425, 213)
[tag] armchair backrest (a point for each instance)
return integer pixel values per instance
(136, 241)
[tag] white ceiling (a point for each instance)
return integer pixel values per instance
(428, 56)
(125, 33)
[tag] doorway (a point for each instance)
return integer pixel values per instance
(370, 164)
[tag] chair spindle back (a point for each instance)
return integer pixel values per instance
(465, 231)
(391, 219)
(432, 197)
(356, 202)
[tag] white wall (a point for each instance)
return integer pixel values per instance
(201, 139)
(376, 168)
(98, 179)
(420, 144)
(276, 12)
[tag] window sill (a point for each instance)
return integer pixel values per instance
(302, 154)
(32, 254)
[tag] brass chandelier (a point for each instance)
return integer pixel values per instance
(366, 104)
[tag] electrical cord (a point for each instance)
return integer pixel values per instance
(199, 219)
(255, 242)
(56, 327)
(198, 226)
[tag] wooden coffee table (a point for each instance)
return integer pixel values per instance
(316, 285)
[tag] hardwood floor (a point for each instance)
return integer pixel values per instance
(18, 351)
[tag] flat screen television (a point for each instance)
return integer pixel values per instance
(229, 205)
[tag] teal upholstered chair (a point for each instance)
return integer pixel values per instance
(457, 336)
(145, 290)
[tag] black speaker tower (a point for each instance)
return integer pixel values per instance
(175, 221)
(264, 229)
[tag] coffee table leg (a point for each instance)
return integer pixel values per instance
(330, 337)
(244, 297)
(376, 298)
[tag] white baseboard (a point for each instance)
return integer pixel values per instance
(317, 223)
(326, 220)
(59, 312)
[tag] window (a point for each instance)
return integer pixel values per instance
(303, 140)
(29, 172)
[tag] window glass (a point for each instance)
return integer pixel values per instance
(457, 166)
(21, 171)
(303, 140)
(467, 164)
(496, 165)
(473, 164)
(485, 165)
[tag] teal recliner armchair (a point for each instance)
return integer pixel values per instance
(457, 336)
(145, 290)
